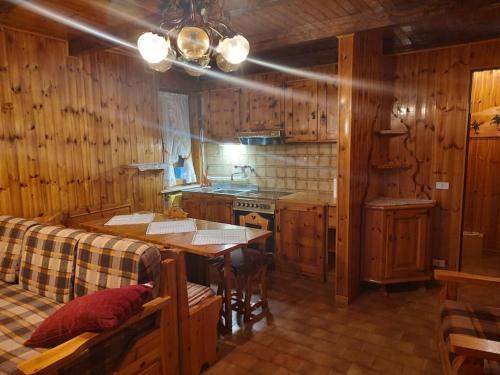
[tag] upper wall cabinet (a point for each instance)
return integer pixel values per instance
(262, 110)
(301, 111)
(329, 111)
(221, 114)
(311, 110)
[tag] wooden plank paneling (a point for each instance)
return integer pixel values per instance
(431, 98)
(69, 124)
(360, 107)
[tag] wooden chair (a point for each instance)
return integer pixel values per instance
(249, 266)
(75, 218)
(468, 336)
(197, 324)
(52, 219)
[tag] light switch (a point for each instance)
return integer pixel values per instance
(442, 185)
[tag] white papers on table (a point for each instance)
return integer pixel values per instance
(131, 219)
(220, 237)
(172, 226)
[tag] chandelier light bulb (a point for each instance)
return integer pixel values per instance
(193, 42)
(225, 66)
(235, 50)
(153, 47)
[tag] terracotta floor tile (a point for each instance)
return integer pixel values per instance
(307, 333)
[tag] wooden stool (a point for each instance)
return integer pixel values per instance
(249, 266)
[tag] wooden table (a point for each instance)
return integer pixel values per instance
(183, 241)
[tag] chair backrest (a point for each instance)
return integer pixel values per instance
(74, 219)
(254, 220)
(104, 261)
(47, 261)
(12, 231)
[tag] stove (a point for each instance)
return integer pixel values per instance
(263, 201)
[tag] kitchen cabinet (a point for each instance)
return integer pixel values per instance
(301, 111)
(221, 113)
(311, 109)
(218, 208)
(396, 241)
(301, 238)
(329, 112)
(262, 110)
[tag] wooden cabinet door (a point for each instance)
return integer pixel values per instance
(301, 111)
(219, 209)
(221, 114)
(263, 110)
(329, 111)
(193, 205)
(407, 243)
(300, 238)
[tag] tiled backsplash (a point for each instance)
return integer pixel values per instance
(296, 167)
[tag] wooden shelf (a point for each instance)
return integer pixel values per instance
(392, 132)
(144, 167)
(388, 166)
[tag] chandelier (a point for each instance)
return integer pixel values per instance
(194, 33)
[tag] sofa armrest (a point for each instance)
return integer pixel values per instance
(63, 354)
(475, 347)
(463, 277)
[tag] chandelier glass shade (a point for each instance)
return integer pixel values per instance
(193, 33)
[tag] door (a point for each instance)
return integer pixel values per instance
(222, 114)
(300, 244)
(192, 204)
(219, 209)
(329, 111)
(263, 109)
(301, 110)
(406, 243)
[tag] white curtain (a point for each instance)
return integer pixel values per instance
(176, 136)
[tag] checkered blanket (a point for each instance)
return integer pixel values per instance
(105, 261)
(21, 311)
(12, 232)
(47, 261)
(462, 318)
(197, 293)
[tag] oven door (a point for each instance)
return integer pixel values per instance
(257, 220)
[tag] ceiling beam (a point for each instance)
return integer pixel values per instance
(369, 20)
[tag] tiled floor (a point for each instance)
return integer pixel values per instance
(308, 334)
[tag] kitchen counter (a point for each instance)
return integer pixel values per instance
(311, 198)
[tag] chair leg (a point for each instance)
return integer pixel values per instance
(263, 287)
(248, 299)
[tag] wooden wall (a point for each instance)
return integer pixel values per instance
(431, 99)
(482, 193)
(360, 114)
(68, 124)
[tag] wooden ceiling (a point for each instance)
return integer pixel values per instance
(283, 30)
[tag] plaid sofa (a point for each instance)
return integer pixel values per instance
(463, 318)
(44, 259)
(11, 239)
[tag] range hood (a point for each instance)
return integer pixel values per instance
(262, 138)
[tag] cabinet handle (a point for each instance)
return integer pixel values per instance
(313, 115)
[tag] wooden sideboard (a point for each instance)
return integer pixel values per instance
(396, 240)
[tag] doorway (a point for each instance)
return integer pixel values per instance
(481, 223)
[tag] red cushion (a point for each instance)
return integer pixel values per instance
(96, 312)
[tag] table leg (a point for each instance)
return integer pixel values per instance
(228, 312)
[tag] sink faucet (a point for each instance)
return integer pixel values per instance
(242, 171)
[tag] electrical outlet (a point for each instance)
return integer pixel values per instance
(441, 263)
(442, 185)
